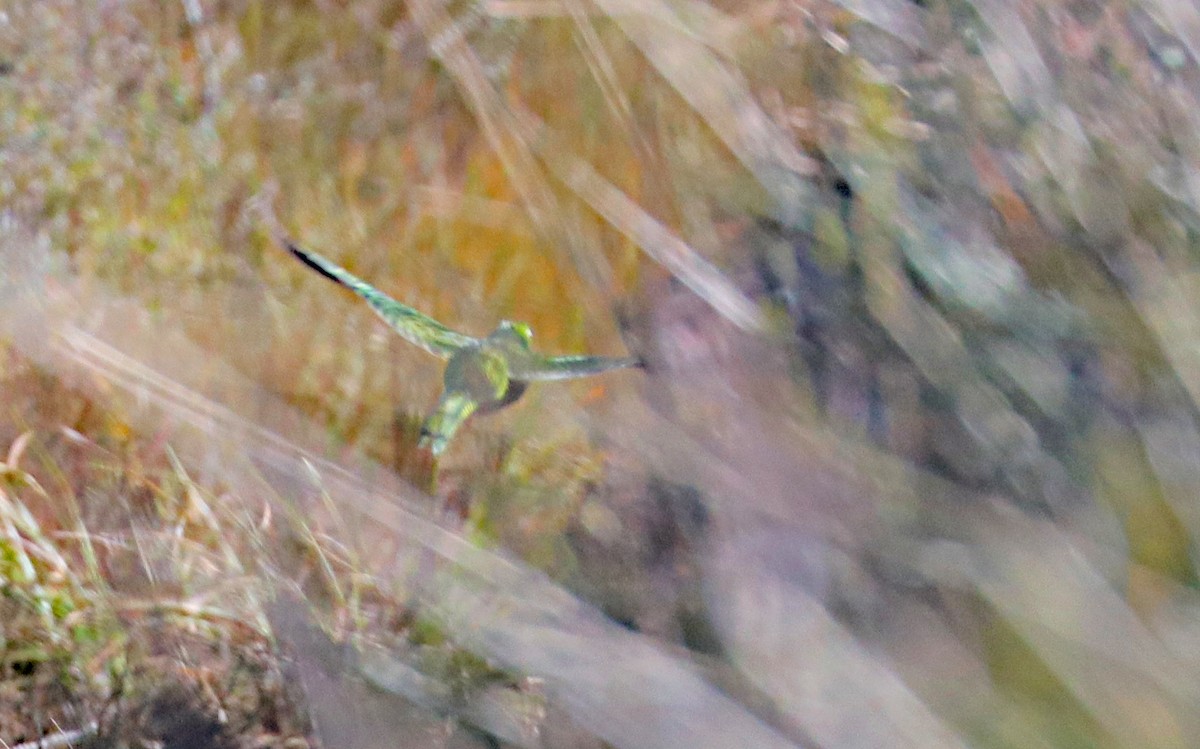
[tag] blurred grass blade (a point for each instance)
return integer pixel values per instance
(721, 97)
(1179, 18)
(899, 18)
(447, 44)
(655, 239)
(1013, 56)
(839, 692)
(1084, 631)
(1166, 300)
(600, 65)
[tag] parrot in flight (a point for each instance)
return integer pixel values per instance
(482, 374)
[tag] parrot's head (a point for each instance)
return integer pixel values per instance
(517, 331)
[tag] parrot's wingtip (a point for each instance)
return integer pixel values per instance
(308, 259)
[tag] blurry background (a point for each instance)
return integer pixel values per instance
(915, 461)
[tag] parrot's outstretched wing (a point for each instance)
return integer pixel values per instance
(536, 367)
(412, 326)
(453, 408)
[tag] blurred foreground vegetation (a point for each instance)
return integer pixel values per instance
(916, 460)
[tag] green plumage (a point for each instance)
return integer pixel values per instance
(412, 326)
(482, 374)
(451, 411)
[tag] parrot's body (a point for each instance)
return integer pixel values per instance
(482, 374)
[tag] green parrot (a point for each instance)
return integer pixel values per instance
(482, 374)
